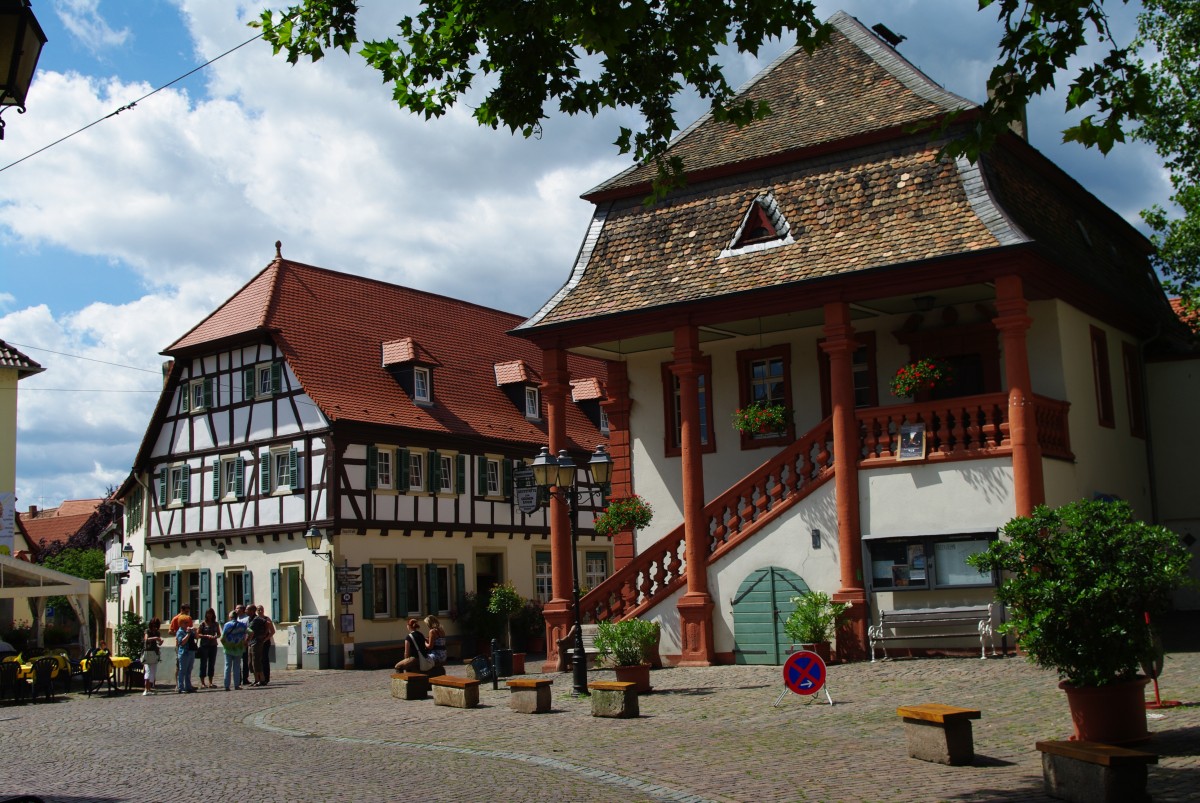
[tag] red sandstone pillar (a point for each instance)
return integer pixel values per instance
(557, 612)
(840, 345)
(616, 407)
(1029, 489)
(695, 607)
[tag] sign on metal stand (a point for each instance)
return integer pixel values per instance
(804, 673)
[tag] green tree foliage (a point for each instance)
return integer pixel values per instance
(1171, 29)
(603, 54)
(85, 563)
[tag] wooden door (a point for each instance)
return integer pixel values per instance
(762, 603)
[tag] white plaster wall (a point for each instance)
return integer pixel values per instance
(936, 498)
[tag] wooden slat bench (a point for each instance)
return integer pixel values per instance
(455, 692)
(529, 695)
(1088, 772)
(939, 733)
(917, 623)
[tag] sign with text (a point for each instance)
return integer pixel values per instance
(525, 490)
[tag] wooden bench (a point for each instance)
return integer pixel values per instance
(529, 695)
(614, 698)
(964, 622)
(566, 647)
(455, 692)
(939, 733)
(1088, 772)
(381, 656)
(410, 686)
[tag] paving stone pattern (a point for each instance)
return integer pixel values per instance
(704, 734)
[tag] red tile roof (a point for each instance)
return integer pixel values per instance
(509, 372)
(332, 328)
(398, 352)
(57, 524)
(586, 389)
(11, 358)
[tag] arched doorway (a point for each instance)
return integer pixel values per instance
(763, 601)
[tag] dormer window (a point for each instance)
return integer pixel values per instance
(533, 404)
(758, 228)
(421, 384)
(197, 396)
(763, 226)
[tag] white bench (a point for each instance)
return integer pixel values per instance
(566, 647)
(904, 624)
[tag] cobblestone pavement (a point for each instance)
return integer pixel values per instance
(704, 734)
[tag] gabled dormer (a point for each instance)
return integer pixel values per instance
(411, 368)
(520, 384)
(587, 394)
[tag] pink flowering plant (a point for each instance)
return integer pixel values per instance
(924, 374)
(761, 417)
(621, 514)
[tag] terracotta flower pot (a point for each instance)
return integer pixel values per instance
(1112, 714)
(638, 675)
(821, 648)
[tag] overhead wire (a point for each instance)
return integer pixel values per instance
(132, 104)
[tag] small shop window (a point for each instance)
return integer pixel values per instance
(927, 562)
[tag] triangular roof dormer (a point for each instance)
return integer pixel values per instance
(763, 226)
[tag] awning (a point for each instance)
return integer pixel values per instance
(22, 580)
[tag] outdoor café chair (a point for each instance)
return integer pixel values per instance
(44, 669)
(12, 685)
(99, 672)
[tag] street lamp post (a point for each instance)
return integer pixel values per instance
(556, 475)
(21, 40)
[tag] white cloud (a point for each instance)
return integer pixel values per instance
(82, 18)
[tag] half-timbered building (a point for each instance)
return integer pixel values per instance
(388, 419)
(812, 254)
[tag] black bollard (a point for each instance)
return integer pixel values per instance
(495, 667)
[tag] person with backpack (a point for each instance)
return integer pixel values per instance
(233, 640)
(186, 642)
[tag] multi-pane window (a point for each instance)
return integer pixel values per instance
(279, 471)
(421, 384)
(235, 590)
(766, 381)
(270, 379)
(604, 421)
(493, 477)
(412, 590)
(198, 396)
(178, 485)
(542, 585)
(282, 470)
(595, 569)
(191, 583)
(446, 474)
(382, 590)
(763, 378)
(229, 482)
(416, 471)
(383, 468)
(674, 410)
(532, 403)
(443, 588)
(164, 610)
(1102, 377)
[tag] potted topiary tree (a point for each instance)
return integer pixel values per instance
(503, 602)
(813, 621)
(1078, 582)
(627, 646)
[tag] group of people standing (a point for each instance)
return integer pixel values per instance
(246, 637)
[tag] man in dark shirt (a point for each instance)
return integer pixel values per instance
(257, 646)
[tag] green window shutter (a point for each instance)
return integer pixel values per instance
(264, 472)
(221, 612)
(368, 591)
(162, 487)
(247, 588)
(239, 474)
(293, 581)
(460, 586)
(402, 470)
(460, 473)
(432, 482)
(174, 580)
(481, 467)
(248, 383)
(185, 397)
(206, 594)
(401, 589)
(431, 588)
(183, 489)
(148, 597)
(276, 377)
(293, 470)
(276, 608)
(208, 391)
(216, 479)
(372, 467)
(506, 479)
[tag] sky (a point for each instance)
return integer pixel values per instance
(118, 240)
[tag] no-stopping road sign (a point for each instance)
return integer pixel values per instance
(804, 672)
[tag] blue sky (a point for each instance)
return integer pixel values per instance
(115, 242)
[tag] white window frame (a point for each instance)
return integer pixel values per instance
(385, 480)
(176, 473)
(281, 480)
(416, 468)
(604, 421)
(592, 578)
(389, 589)
(493, 478)
(543, 588)
(264, 385)
(447, 465)
(229, 485)
(533, 403)
(421, 384)
(196, 392)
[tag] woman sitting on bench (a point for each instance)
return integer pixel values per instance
(416, 655)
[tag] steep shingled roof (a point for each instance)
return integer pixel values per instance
(332, 327)
(11, 358)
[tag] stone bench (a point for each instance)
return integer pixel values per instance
(455, 692)
(1088, 772)
(612, 698)
(939, 733)
(410, 686)
(529, 695)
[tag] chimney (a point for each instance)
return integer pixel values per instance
(166, 369)
(33, 511)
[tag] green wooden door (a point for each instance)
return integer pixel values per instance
(762, 602)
